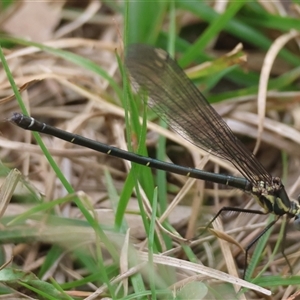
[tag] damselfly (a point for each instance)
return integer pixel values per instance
(173, 96)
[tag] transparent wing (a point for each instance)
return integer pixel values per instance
(175, 99)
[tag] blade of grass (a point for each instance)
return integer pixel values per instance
(216, 25)
(43, 289)
(145, 20)
(161, 180)
(132, 121)
(115, 200)
(279, 241)
(257, 254)
(266, 20)
(151, 247)
(136, 279)
(277, 281)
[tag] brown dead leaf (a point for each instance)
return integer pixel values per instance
(225, 237)
(294, 296)
(21, 89)
(35, 20)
